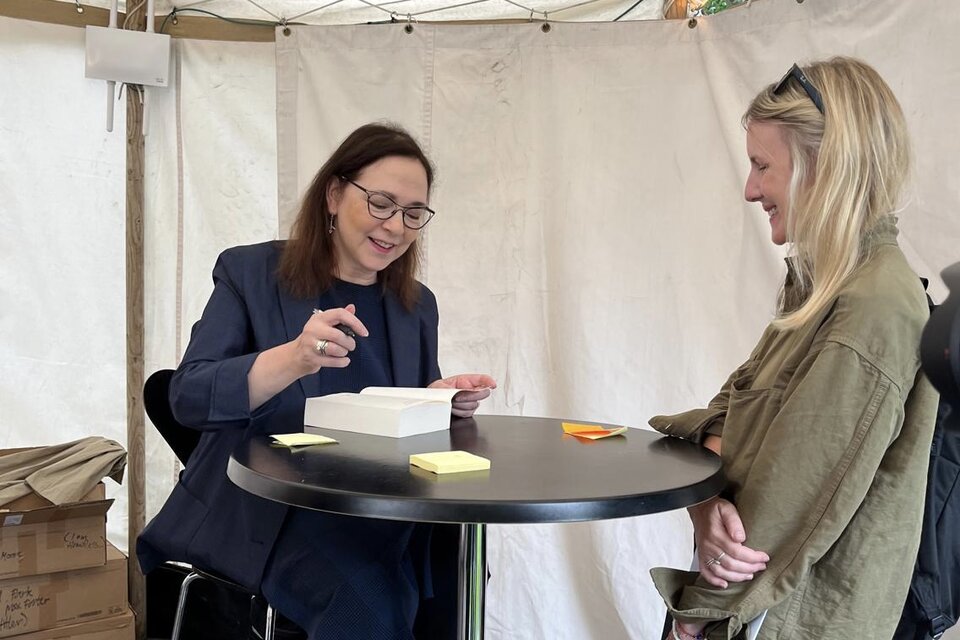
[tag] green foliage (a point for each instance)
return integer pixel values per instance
(716, 6)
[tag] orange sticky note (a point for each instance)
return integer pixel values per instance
(591, 431)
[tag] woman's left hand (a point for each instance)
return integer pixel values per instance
(476, 387)
(719, 535)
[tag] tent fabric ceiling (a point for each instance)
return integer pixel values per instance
(364, 11)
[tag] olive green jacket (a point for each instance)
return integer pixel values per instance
(826, 437)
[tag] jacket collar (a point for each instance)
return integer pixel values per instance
(296, 312)
(883, 232)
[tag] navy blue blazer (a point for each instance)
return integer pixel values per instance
(207, 520)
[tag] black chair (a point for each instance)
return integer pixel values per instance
(933, 602)
(183, 440)
(156, 401)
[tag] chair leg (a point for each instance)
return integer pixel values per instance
(269, 625)
(181, 604)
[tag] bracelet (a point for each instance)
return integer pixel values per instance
(679, 634)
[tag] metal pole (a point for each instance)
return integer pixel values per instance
(473, 580)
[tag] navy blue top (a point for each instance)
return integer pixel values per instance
(370, 364)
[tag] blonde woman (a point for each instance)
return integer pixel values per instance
(825, 430)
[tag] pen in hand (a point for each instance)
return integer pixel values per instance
(347, 330)
(342, 327)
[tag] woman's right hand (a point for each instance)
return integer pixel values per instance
(335, 345)
(277, 368)
(719, 533)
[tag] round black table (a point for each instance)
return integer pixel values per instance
(538, 474)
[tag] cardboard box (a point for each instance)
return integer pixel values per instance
(113, 628)
(33, 603)
(38, 537)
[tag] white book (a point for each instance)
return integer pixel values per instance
(395, 412)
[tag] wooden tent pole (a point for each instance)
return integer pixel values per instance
(136, 463)
(677, 10)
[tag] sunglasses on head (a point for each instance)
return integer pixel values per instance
(798, 74)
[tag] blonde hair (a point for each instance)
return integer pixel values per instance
(850, 165)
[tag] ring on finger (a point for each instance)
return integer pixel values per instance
(321, 347)
(716, 560)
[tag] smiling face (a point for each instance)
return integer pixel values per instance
(363, 244)
(771, 169)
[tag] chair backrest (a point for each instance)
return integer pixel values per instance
(933, 602)
(156, 400)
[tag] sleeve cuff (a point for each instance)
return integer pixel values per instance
(691, 425)
(715, 428)
(671, 583)
(231, 394)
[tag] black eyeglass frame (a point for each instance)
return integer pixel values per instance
(397, 207)
(812, 92)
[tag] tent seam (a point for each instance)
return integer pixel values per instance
(429, 83)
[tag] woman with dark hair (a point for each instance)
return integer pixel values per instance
(334, 309)
(825, 430)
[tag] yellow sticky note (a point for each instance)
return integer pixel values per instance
(301, 439)
(449, 462)
(591, 431)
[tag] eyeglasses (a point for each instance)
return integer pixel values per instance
(383, 207)
(811, 91)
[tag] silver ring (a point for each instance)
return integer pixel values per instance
(321, 347)
(713, 561)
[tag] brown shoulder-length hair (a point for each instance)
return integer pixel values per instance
(308, 263)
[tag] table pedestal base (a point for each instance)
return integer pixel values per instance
(473, 581)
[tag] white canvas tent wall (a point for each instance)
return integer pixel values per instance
(589, 190)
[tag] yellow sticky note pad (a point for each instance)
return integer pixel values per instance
(449, 462)
(301, 439)
(591, 431)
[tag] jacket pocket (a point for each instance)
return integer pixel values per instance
(179, 521)
(749, 415)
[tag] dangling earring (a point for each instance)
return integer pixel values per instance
(331, 223)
